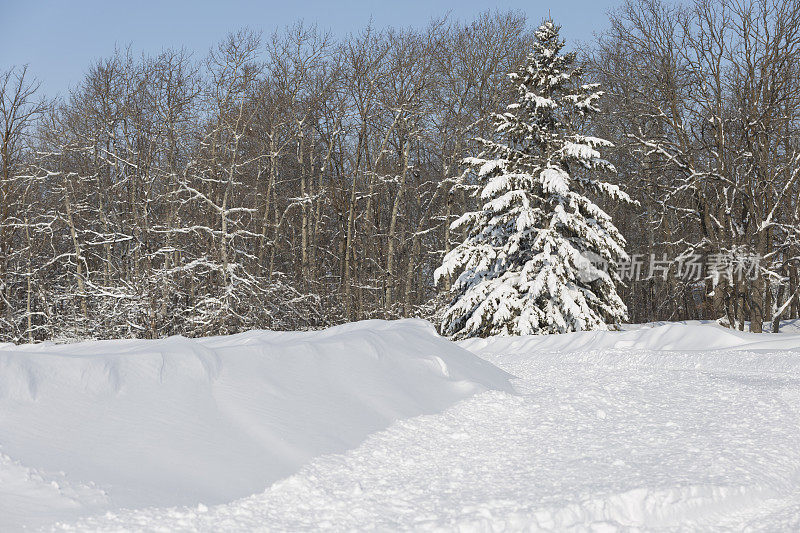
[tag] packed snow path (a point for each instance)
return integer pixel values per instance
(594, 439)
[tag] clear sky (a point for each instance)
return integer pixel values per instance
(60, 38)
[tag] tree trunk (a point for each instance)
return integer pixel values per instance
(391, 280)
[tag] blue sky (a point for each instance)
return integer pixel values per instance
(59, 38)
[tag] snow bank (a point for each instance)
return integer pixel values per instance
(600, 440)
(135, 423)
(683, 337)
(668, 426)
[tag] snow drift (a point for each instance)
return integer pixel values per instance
(679, 427)
(676, 426)
(684, 337)
(133, 423)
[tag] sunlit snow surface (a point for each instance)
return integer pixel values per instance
(659, 427)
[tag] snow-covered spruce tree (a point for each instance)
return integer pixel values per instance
(524, 266)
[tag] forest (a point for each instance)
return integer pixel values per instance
(296, 180)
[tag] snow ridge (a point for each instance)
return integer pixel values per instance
(178, 421)
(613, 439)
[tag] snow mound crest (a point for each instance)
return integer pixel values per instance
(177, 421)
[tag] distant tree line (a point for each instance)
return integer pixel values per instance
(298, 181)
(704, 108)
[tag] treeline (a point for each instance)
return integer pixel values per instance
(704, 106)
(299, 181)
(288, 182)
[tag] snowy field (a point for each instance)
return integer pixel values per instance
(385, 425)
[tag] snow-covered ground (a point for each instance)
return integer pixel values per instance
(387, 426)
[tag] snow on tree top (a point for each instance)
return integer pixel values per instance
(522, 268)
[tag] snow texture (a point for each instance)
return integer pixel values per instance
(138, 423)
(660, 427)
